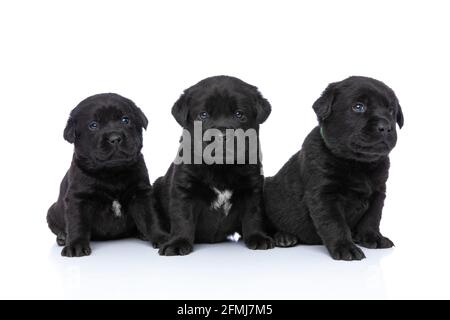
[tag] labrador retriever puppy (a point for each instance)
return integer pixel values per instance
(106, 193)
(208, 201)
(332, 191)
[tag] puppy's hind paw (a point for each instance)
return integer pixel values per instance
(259, 242)
(178, 247)
(76, 250)
(373, 241)
(61, 239)
(285, 240)
(346, 251)
(140, 236)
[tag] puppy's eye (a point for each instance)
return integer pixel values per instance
(125, 120)
(359, 107)
(203, 115)
(93, 125)
(238, 114)
(391, 111)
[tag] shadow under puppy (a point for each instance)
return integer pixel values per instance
(106, 193)
(208, 202)
(332, 191)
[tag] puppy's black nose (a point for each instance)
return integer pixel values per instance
(384, 128)
(114, 138)
(222, 129)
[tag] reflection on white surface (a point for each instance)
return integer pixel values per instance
(132, 269)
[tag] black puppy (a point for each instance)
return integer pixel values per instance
(106, 193)
(208, 202)
(332, 191)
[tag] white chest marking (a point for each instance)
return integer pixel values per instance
(222, 200)
(234, 237)
(117, 208)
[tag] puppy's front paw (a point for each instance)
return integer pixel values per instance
(158, 239)
(373, 240)
(178, 247)
(285, 240)
(346, 251)
(259, 242)
(76, 250)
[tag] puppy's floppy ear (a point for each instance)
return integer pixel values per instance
(399, 116)
(140, 116)
(69, 130)
(143, 119)
(322, 106)
(180, 110)
(262, 108)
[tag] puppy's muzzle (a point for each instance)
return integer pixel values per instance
(226, 133)
(384, 128)
(114, 138)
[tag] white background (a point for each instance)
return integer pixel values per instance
(55, 53)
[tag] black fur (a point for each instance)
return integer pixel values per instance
(186, 192)
(332, 191)
(107, 166)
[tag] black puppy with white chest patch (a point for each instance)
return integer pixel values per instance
(208, 202)
(106, 193)
(332, 191)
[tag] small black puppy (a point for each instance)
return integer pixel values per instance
(106, 193)
(208, 202)
(332, 191)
